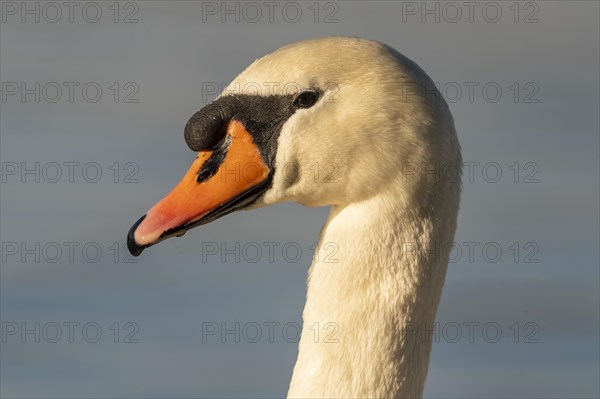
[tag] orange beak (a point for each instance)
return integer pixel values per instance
(219, 181)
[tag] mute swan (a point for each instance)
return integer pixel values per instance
(378, 118)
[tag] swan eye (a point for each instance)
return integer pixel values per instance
(306, 99)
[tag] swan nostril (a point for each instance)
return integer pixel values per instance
(212, 164)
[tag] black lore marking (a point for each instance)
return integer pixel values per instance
(212, 164)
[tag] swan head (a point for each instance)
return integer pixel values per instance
(328, 121)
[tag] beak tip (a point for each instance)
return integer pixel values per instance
(132, 244)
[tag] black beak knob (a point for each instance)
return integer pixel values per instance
(207, 127)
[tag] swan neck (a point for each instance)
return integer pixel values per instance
(374, 285)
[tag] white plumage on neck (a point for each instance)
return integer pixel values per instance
(383, 288)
